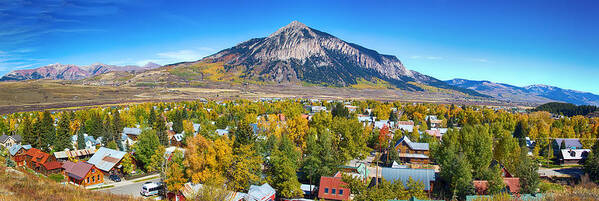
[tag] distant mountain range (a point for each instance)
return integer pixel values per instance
(300, 55)
(532, 93)
(71, 72)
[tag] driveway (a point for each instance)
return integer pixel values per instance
(129, 189)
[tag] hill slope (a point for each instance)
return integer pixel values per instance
(297, 53)
(532, 93)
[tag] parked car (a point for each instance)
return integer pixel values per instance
(115, 178)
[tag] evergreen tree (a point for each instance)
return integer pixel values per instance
(178, 121)
(591, 165)
(63, 137)
(112, 145)
(320, 159)
(339, 110)
(521, 132)
(94, 125)
(29, 137)
(283, 165)
(244, 135)
(527, 172)
(393, 116)
(146, 146)
(46, 130)
(80, 141)
(151, 117)
(116, 126)
(160, 128)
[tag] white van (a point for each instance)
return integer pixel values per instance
(151, 188)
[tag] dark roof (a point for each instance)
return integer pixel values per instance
(79, 170)
(412, 145)
(67, 165)
(426, 176)
(17, 137)
(4, 137)
(570, 142)
(52, 165)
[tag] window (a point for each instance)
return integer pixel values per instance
(93, 170)
(333, 191)
(326, 190)
(93, 179)
(98, 177)
(87, 180)
(340, 191)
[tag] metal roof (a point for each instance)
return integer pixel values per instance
(260, 193)
(74, 153)
(132, 131)
(403, 174)
(575, 154)
(412, 145)
(105, 158)
(14, 149)
(570, 143)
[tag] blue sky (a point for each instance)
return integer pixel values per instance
(516, 42)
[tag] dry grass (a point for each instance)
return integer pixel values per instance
(578, 193)
(26, 186)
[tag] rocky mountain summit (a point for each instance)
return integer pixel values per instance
(298, 53)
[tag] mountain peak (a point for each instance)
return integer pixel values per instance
(294, 28)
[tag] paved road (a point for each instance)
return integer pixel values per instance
(129, 189)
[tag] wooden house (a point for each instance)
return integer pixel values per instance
(412, 152)
(82, 173)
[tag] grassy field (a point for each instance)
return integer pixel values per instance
(16, 185)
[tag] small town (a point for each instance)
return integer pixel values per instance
(278, 149)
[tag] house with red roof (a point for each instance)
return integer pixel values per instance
(512, 184)
(35, 159)
(52, 167)
(82, 173)
(332, 188)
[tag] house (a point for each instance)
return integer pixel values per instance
(17, 152)
(381, 123)
(35, 158)
(222, 132)
(434, 133)
(569, 143)
(512, 184)
(74, 154)
(8, 141)
(360, 171)
(89, 141)
(366, 119)
(132, 133)
(308, 190)
(412, 152)
(333, 188)
(260, 193)
(82, 173)
(573, 156)
(317, 109)
(435, 123)
(351, 108)
(189, 191)
(405, 125)
(107, 160)
(52, 167)
(196, 129)
(426, 176)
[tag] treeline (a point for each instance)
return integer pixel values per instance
(567, 109)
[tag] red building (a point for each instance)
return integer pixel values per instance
(332, 188)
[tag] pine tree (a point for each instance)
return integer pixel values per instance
(80, 141)
(160, 128)
(29, 137)
(178, 121)
(527, 172)
(282, 169)
(46, 130)
(63, 137)
(152, 116)
(244, 135)
(116, 126)
(146, 147)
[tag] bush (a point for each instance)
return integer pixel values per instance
(548, 187)
(56, 177)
